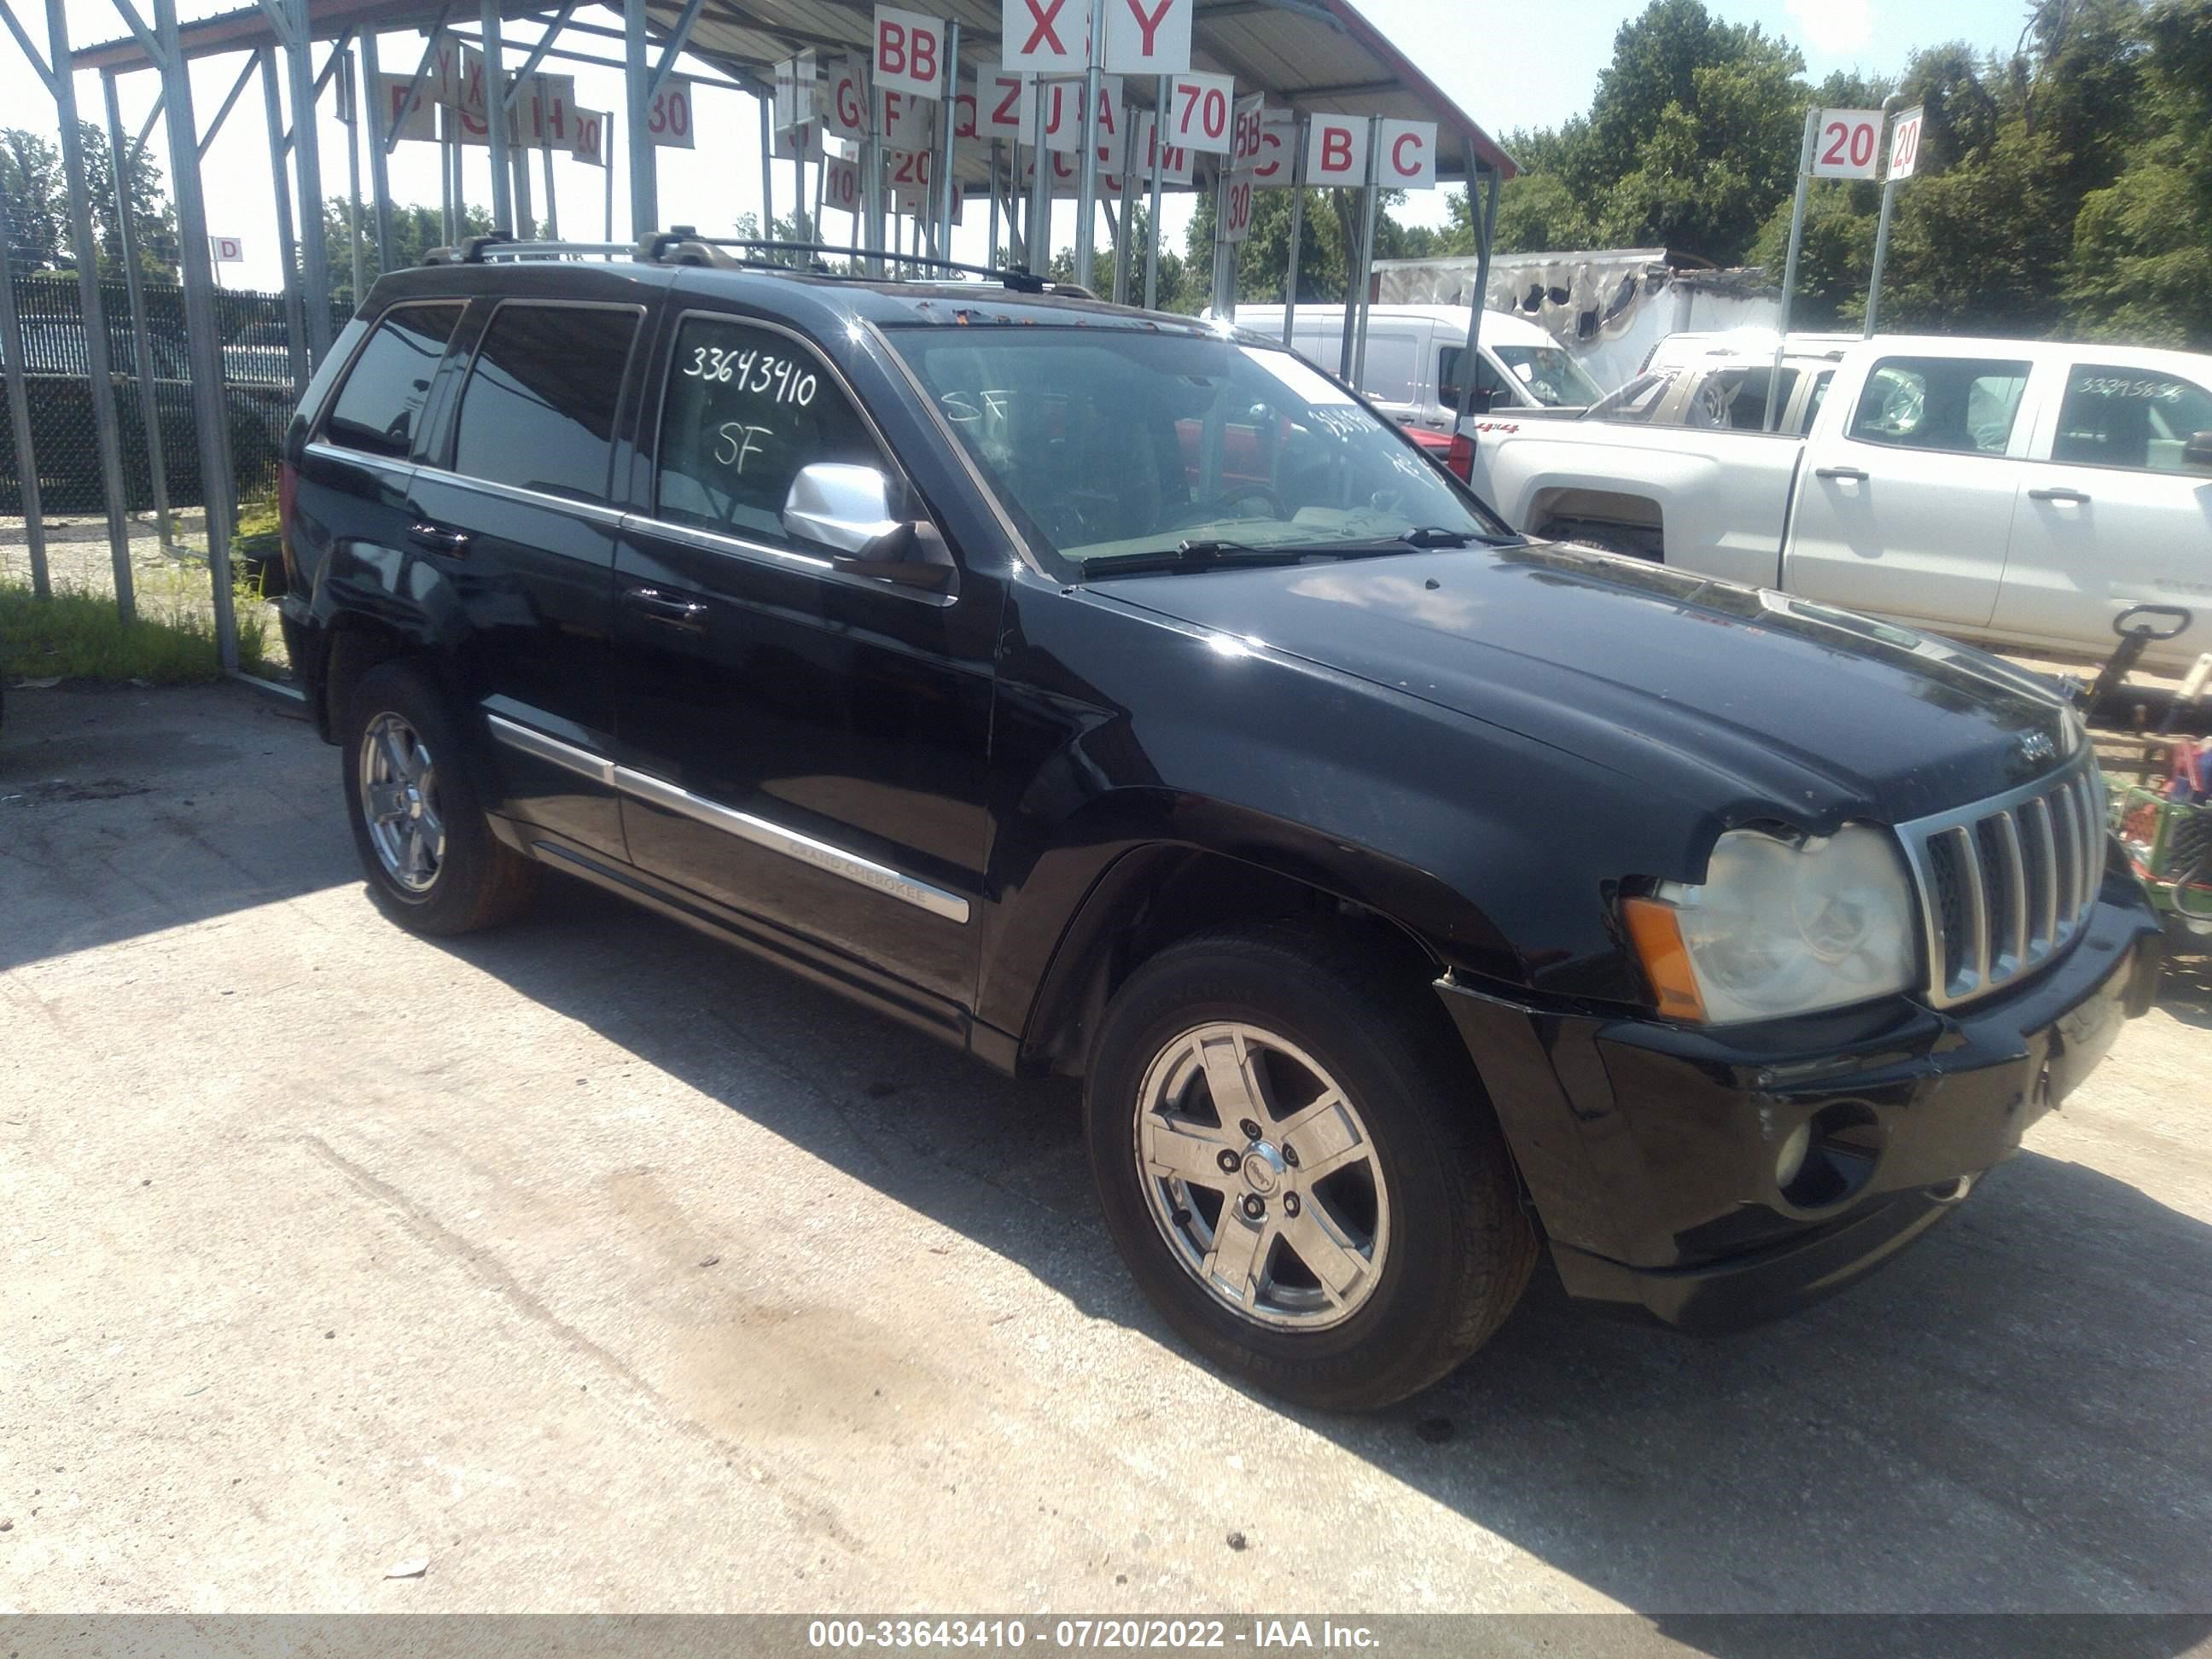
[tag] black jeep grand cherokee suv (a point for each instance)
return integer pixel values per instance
(1112, 694)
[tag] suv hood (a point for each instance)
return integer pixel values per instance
(1745, 702)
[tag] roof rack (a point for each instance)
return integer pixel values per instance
(683, 245)
(483, 250)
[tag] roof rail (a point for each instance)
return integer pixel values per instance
(483, 250)
(681, 244)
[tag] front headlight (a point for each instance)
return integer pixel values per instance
(1781, 927)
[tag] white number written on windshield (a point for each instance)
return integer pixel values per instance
(755, 373)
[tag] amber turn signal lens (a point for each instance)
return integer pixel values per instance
(1658, 936)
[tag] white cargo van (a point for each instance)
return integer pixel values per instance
(1414, 353)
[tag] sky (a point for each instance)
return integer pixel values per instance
(1507, 62)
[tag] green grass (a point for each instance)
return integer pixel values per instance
(77, 635)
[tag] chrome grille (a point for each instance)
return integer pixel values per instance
(2005, 883)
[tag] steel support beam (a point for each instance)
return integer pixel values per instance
(1485, 225)
(1163, 97)
(288, 250)
(217, 486)
(637, 86)
(133, 286)
(948, 109)
(19, 409)
(379, 168)
(502, 181)
(86, 250)
(1086, 173)
(222, 110)
(307, 168)
(1297, 227)
(416, 83)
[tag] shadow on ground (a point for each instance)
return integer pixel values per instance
(2013, 1416)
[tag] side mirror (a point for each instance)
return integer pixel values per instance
(848, 509)
(2196, 453)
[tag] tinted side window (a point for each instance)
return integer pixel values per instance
(1487, 382)
(1819, 396)
(383, 396)
(2131, 418)
(744, 409)
(538, 411)
(1965, 405)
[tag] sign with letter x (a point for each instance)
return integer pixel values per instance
(1047, 37)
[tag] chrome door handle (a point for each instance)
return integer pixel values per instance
(437, 539)
(668, 608)
(2056, 495)
(1850, 472)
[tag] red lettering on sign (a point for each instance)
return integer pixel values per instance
(891, 49)
(1398, 153)
(1005, 115)
(1150, 26)
(1044, 16)
(1335, 150)
(924, 56)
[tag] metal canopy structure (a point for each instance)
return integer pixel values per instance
(1315, 66)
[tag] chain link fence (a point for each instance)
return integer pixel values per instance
(259, 393)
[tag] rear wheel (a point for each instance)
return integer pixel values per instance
(433, 864)
(1299, 1168)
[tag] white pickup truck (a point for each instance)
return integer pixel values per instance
(2021, 494)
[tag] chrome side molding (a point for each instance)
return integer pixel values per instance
(745, 826)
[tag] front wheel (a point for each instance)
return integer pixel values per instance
(1299, 1168)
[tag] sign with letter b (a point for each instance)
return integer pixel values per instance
(1336, 150)
(909, 52)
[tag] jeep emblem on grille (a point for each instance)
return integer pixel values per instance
(2037, 747)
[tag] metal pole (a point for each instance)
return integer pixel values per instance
(821, 187)
(1041, 195)
(1163, 95)
(1881, 230)
(1224, 251)
(872, 193)
(1355, 342)
(992, 250)
(1297, 231)
(1086, 175)
(352, 88)
(495, 100)
(19, 409)
(216, 482)
(86, 254)
(287, 251)
(1486, 235)
(518, 156)
(552, 206)
(637, 75)
(768, 168)
(133, 286)
(607, 143)
(949, 112)
(449, 148)
(306, 161)
(1790, 265)
(379, 171)
(1125, 230)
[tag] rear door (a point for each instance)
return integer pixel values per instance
(1904, 505)
(2108, 516)
(518, 524)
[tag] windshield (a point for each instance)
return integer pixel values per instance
(1111, 444)
(1551, 375)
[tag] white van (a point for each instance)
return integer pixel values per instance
(1413, 356)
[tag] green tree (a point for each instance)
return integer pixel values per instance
(415, 231)
(39, 237)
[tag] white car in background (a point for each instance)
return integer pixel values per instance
(2021, 494)
(1414, 354)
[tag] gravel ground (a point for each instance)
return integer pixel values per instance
(603, 1268)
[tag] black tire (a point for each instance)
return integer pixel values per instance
(475, 880)
(1460, 1247)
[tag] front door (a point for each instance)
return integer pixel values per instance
(804, 746)
(2109, 517)
(1906, 513)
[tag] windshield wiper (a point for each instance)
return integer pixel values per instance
(1200, 554)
